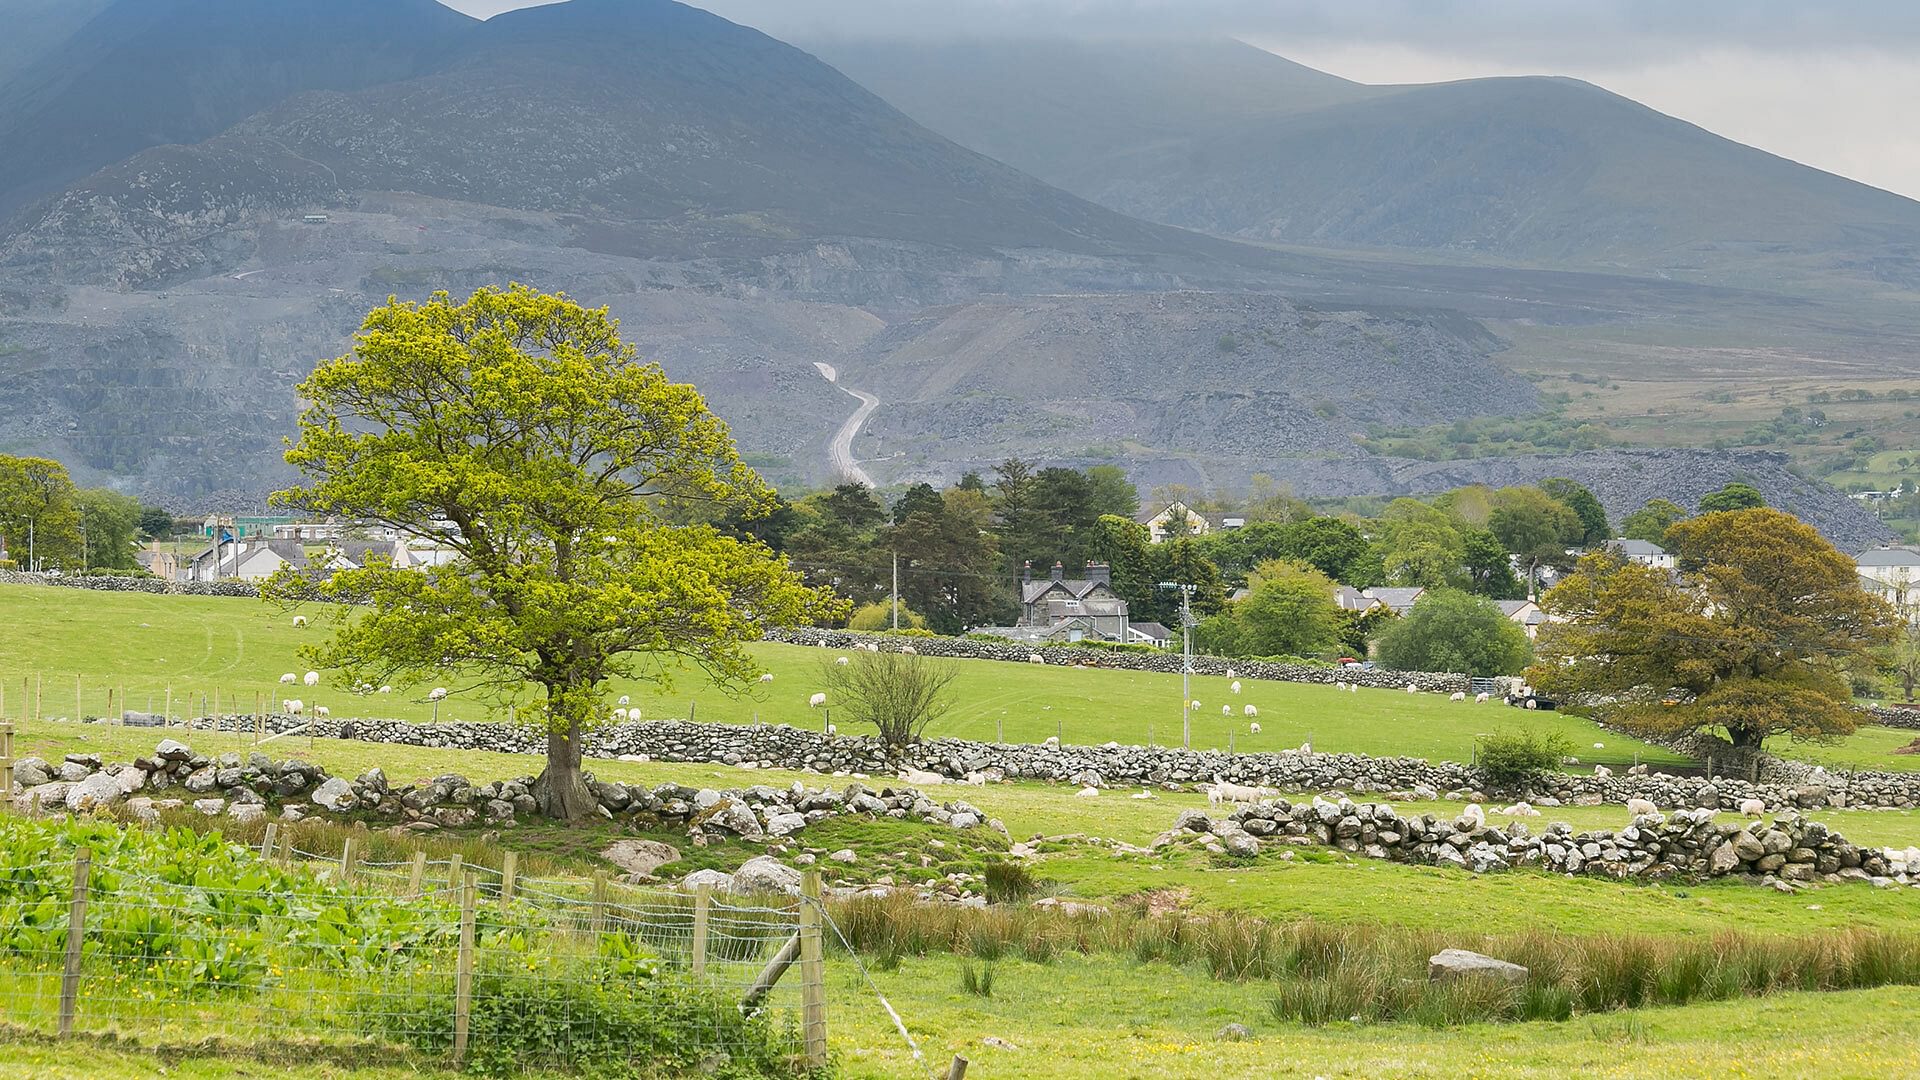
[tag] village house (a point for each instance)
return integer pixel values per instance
(1893, 574)
(1063, 609)
(245, 560)
(1176, 519)
(1644, 552)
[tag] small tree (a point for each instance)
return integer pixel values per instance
(1289, 611)
(899, 693)
(1905, 660)
(1452, 631)
(1513, 757)
(525, 423)
(879, 616)
(1651, 522)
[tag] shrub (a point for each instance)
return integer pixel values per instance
(977, 982)
(1512, 757)
(899, 693)
(1007, 882)
(879, 616)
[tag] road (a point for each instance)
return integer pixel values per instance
(840, 451)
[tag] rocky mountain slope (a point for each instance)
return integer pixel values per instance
(1540, 169)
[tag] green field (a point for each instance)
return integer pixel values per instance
(139, 647)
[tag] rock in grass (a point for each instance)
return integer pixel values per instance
(31, 772)
(765, 874)
(640, 857)
(1233, 1033)
(336, 794)
(1460, 963)
(96, 792)
(713, 879)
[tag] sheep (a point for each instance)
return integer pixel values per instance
(1482, 699)
(1052, 741)
(1641, 807)
(321, 712)
(1144, 794)
(766, 676)
(1472, 819)
(289, 679)
(438, 693)
(1226, 710)
(816, 701)
(1036, 658)
(840, 661)
(1457, 695)
(1251, 710)
(311, 678)
(1753, 808)
(1412, 689)
(909, 650)
(832, 729)
(1339, 684)
(619, 716)
(1235, 687)
(1194, 704)
(1254, 728)
(1220, 791)
(384, 689)
(1599, 746)
(294, 706)
(624, 700)
(1307, 747)
(1087, 793)
(299, 620)
(1602, 771)
(1353, 688)
(1231, 674)
(1520, 809)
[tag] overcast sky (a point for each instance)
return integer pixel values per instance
(1832, 83)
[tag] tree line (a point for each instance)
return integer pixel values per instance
(48, 522)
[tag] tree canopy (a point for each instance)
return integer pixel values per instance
(1651, 522)
(1754, 635)
(525, 422)
(1734, 496)
(1449, 630)
(1288, 611)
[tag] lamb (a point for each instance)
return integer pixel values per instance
(289, 679)
(1457, 695)
(1235, 687)
(1599, 746)
(1036, 658)
(1339, 684)
(619, 716)
(1412, 689)
(311, 678)
(1220, 791)
(1087, 793)
(438, 693)
(840, 661)
(321, 712)
(1251, 711)
(1641, 807)
(1602, 771)
(624, 700)
(1472, 819)
(832, 730)
(1226, 710)
(1231, 674)
(1752, 808)
(385, 689)
(1052, 741)
(1521, 809)
(909, 650)
(816, 701)
(1353, 688)
(1307, 747)
(766, 676)
(299, 620)
(1254, 727)
(871, 647)
(1194, 704)
(1482, 699)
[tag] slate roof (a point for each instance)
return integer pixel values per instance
(1889, 556)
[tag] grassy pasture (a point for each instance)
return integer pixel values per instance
(139, 645)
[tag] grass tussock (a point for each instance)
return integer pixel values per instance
(1368, 974)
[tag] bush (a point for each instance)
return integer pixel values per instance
(1454, 631)
(576, 1016)
(879, 616)
(1511, 757)
(978, 983)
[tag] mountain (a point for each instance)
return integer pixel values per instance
(144, 73)
(36, 27)
(1543, 170)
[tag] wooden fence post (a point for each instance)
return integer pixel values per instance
(509, 874)
(598, 920)
(346, 861)
(453, 873)
(813, 971)
(266, 845)
(79, 711)
(76, 932)
(417, 877)
(39, 696)
(957, 1070)
(702, 903)
(6, 764)
(463, 975)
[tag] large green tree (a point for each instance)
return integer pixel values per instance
(1448, 630)
(1734, 496)
(109, 528)
(1288, 611)
(525, 421)
(39, 512)
(1593, 516)
(1651, 522)
(1754, 635)
(950, 564)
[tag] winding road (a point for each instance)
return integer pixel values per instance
(840, 450)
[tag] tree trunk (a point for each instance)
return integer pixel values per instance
(560, 791)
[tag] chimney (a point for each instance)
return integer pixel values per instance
(1059, 571)
(1100, 573)
(1026, 572)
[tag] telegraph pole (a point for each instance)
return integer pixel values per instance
(1186, 660)
(896, 591)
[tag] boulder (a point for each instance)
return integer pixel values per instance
(202, 780)
(96, 792)
(640, 857)
(173, 750)
(31, 772)
(712, 879)
(765, 874)
(336, 795)
(785, 824)
(1233, 1033)
(1461, 963)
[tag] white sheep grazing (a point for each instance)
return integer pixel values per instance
(1473, 817)
(295, 706)
(766, 676)
(438, 693)
(1641, 807)
(1251, 711)
(311, 678)
(1036, 658)
(1053, 741)
(1602, 771)
(1087, 793)
(1194, 704)
(1457, 695)
(1353, 688)
(816, 701)
(1226, 710)
(385, 689)
(840, 661)
(909, 650)
(624, 700)
(1412, 689)
(1254, 727)
(1307, 747)
(1144, 794)
(621, 716)
(299, 620)
(871, 647)
(832, 730)
(289, 679)
(1482, 699)
(1752, 808)
(321, 712)
(1235, 687)
(1339, 684)
(1231, 674)
(1220, 791)
(1599, 746)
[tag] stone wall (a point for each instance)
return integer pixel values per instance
(1896, 716)
(1686, 843)
(106, 583)
(1114, 765)
(1126, 659)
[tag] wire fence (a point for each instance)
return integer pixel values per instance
(447, 960)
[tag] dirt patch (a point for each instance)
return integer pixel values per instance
(1911, 748)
